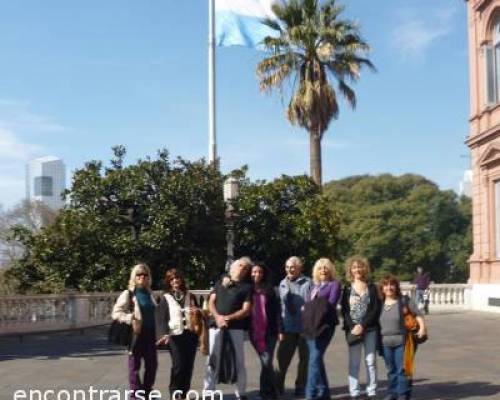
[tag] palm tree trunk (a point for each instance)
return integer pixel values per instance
(315, 157)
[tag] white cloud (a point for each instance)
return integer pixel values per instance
(12, 148)
(17, 116)
(14, 153)
(418, 30)
(20, 130)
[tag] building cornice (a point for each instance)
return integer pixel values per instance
(490, 134)
(480, 4)
(487, 110)
(490, 156)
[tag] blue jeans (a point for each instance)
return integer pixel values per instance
(398, 384)
(268, 381)
(420, 300)
(317, 382)
(369, 345)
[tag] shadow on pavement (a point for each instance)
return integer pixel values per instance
(456, 390)
(92, 343)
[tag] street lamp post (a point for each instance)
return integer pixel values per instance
(231, 191)
(131, 219)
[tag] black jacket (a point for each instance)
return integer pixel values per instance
(317, 316)
(371, 319)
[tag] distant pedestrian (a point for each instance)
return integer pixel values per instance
(361, 309)
(293, 290)
(422, 281)
(397, 342)
(176, 312)
(324, 319)
(265, 321)
(230, 304)
(136, 306)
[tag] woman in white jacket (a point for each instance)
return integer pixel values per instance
(175, 312)
(136, 307)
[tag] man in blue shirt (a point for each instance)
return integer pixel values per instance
(293, 290)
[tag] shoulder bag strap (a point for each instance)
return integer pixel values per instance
(130, 298)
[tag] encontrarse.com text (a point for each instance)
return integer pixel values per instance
(113, 394)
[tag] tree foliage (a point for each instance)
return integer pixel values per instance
(402, 222)
(285, 217)
(172, 213)
(29, 215)
(165, 213)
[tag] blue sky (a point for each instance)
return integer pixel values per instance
(78, 77)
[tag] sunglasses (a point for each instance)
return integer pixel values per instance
(142, 274)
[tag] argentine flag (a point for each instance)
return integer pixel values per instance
(238, 22)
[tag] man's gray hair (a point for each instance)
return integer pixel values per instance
(295, 261)
(246, 260)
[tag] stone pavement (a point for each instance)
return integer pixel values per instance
(460, 361)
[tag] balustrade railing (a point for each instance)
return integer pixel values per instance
(444, 296)
(43, 313)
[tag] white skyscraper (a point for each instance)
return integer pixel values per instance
(45, 181)
(466, 184)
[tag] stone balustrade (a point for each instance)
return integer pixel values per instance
(44, 313)
(444, 296)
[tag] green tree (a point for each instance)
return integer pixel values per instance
(161, 212)
(314, 47)
(402, 222)
(285, 217)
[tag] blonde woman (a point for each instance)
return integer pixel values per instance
(136, 306)
(361, 309)
(324, 286)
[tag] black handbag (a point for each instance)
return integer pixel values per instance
(352, 339)
(120, 333)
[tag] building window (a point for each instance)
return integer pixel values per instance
(492, 56)
(43, 186)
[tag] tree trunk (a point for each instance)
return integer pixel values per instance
(315, 157)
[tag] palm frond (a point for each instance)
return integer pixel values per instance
(272, 23)
(316, 47)
(348, 93)
(273, 70)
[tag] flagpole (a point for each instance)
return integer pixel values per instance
(212, 147)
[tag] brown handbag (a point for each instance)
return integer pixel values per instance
(411, 324)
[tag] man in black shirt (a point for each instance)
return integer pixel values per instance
(230, 305)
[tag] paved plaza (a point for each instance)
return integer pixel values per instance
(460, 361)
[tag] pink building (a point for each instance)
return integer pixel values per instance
(484, 143)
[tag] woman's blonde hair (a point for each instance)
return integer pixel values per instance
(137, 269)
(362, 261)
(322, 262)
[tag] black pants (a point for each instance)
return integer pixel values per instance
(285, 352)
(183, 351)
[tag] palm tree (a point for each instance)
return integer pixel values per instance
(313, 47)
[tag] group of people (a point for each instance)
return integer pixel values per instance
(301, 316)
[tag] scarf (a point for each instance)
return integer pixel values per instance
(409, 355)
(259, 321)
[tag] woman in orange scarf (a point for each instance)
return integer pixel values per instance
(397, 337)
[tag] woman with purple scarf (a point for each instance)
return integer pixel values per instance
(325, 286)
(265, 318)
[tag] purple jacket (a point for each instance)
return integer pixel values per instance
(330, 290)
(422, 281)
